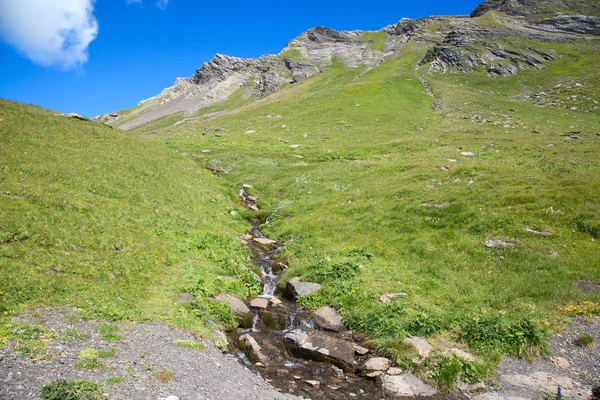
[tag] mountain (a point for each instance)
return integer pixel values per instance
(437, 178)
(491, 39)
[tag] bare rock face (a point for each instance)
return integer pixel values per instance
(321, 347)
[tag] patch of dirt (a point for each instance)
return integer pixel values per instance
(145, 350)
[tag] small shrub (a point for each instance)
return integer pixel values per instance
(165, 376)
(584, 340)
(109, 333)
(190, 344)
(72, 390)
(449, 370)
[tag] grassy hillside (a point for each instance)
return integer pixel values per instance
(363, 175)
(365, 208)
(115, 225)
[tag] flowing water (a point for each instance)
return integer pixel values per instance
(267, 326)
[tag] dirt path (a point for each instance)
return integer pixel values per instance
(146, 349)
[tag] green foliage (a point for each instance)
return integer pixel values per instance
(190, 344)
(73, 390)
(90, 359)
(292, 55)
(109, 332)
(73, 335)
(584, 340)
(524, 338)
(451, 369)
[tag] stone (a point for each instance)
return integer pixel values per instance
(298, 288)
(238, 307)
(327, 318)
(542, 233)
(294, 146)
(247, 236)
(467, 154)
(319, 346)
(423, 347)
(561, 362)
(541, 382)
(477, 387)
(374, 374)
(406, 385)
(252, 349)
(377, 364)
(251, 131)
(394, 371)
(275, 301)
(388, 297)
(259, 302)
(76, 116)
(171, 398)
(360, 350)
(313, 383)
(498, 243)
(264, 241)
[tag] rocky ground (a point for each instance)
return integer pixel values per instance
(145, 351)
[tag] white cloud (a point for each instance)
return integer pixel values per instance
(49, 32)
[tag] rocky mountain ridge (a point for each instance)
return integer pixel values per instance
(500, 36)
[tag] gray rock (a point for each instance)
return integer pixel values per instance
(496, 396)
(423, 347)
(377, 364)
(406, 385)
(467, 154)
(361, 351)
(238, 307)
(328, 319)
(388, 297)
(252, 349)
(321, 347)
(264, 241)
(299, 288)
(498, 243)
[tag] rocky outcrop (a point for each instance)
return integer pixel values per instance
(510, 7)
(327, 318)
(406, 385)
(587, 25)
(298, 288)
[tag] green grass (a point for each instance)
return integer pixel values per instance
(73, 390)
(90, 359)
(113, 224)
(375, 40)
(190, 344)
(120, 224)
(109, 333)
(371, 153)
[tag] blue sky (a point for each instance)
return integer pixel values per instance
(119, 52)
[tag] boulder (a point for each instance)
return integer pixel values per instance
(406, 385)
(238, 307)
(319, 346)
(327, 318)
(252, 349)
(377, 364)
(298, 288)
(467, 154)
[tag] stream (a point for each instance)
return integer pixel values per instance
(263, 342)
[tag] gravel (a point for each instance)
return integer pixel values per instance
(145, 349)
